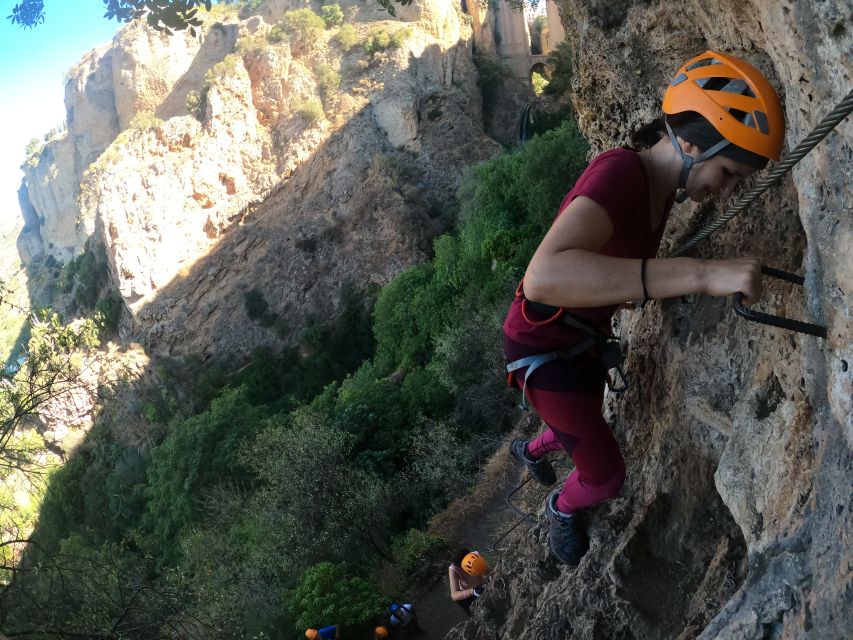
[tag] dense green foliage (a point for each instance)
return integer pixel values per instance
(86, 276)
(347, 37)
(561, 62)
(327, 593)
(378, 39)
(269, 497)
(332, 15)
(490, 78)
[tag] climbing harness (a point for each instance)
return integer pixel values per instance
(841, 111)
(607, 350)
(779, 321)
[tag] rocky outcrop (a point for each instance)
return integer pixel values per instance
(363, 192)
(299, 173)
(103, 92)
(735, 521)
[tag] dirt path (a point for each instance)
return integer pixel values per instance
(475, 521)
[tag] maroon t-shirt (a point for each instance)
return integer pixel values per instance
(617, 181)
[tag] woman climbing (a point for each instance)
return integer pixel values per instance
(723, 121)
(466, 575)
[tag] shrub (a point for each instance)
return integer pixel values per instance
(378, 39)
(85, 275)
(277, 34)
(329, 81)
(347, 37)
(332, 15)
(251, 43)
(490, 78)
(197, 102)
(201, 451)
(108, 311)
(399, 37)
(248, 8)
(34, 147)
(222, 69)
(328, 591)
(311, 110)
(255, 304)
(415, 547)
(144, 120)
(561, 61)
(303, 28)
(539, 82)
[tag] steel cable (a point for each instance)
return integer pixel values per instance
(841, 111)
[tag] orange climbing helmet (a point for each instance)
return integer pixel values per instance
(734, 97)
(380, 632)
(474, 564)
(311, 634)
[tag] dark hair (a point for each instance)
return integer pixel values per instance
(694, 128)
(648, 135)
(459, 556)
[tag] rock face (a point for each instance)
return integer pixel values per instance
(136, 72)
(284, 180)
(735, 521)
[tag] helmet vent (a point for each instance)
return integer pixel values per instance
(713, 83)
(761, 120)
(742, 116)
(739, 87)
(703, 63)
(727, 85)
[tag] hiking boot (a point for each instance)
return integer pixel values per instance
(566, 535)
(540, 469)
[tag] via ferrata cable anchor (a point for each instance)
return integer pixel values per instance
(779, 321)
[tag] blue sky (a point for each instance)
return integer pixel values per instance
(32, 65)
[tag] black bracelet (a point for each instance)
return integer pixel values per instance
(643, 279)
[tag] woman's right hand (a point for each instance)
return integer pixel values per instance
(727, 277)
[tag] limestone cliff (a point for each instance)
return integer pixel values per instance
(303, 170)
(735, 521)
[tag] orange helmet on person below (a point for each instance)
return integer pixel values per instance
(311, 634)
(474, 564)
(734, 97)
(380, 632)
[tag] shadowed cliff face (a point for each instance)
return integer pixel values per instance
(735, 518)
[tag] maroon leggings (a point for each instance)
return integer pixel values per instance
(568, 398)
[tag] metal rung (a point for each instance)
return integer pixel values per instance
(779, 321)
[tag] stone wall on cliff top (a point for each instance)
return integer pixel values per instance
(735, 520)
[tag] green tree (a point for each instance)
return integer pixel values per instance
(329, 594)
(94, 592)
(332, 15)
(163, 15)
(561, 78)
(200, 452)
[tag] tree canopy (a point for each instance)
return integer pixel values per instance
(163, 15)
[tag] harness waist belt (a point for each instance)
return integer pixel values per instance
(534, 362)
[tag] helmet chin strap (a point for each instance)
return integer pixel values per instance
(688, 161)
